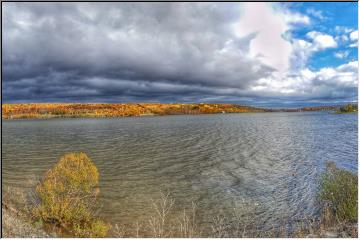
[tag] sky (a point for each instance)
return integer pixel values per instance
(259, 54)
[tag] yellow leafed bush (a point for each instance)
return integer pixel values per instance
(68, 196)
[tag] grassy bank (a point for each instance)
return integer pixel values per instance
(64, 203)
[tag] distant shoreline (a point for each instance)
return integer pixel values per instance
(110, 110)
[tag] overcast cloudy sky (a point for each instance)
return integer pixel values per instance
(262, 54)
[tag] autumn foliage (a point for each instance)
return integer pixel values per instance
(49, 110)
(68, 196)
(75, 110)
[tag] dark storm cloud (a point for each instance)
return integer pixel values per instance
(112, 52)
(87, 50)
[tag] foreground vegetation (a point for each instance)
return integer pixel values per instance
(64, 203)
(349, 108)
(339, 189)
(74, 110)
(68, 197)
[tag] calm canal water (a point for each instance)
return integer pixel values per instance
(222, 161)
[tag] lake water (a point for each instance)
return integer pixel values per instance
(271, 160)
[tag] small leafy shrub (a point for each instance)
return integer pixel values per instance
(339, 188)
(96, 228)
(68, 196)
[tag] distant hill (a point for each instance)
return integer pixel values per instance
(50, 110)
(307, 109)
(68, 110)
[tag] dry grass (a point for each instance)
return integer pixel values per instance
(158, 222)
(162, 221)
(187, 223)
(16, 215)
(14, 225)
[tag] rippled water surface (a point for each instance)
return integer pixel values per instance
(219, 161)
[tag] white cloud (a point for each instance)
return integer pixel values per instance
(296, 18)
(327, 82)
(353, 45)
(342, 29)
(354, 35)
(316, 13)
(342, 38)
(269, 44)
(347, 35)
(342, 54)
(321, 40)
(302, 49)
